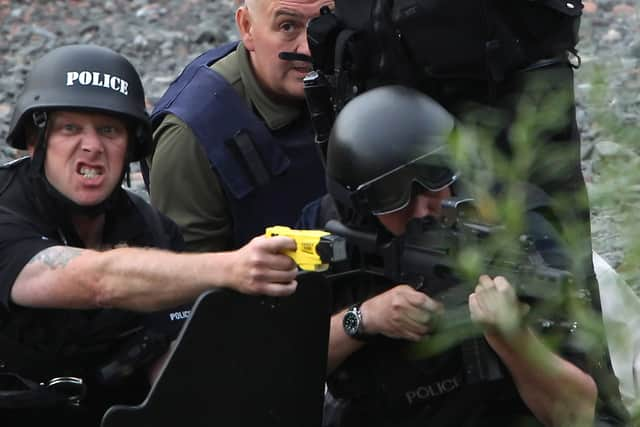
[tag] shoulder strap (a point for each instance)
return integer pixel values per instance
(246, 148)
(185, 77)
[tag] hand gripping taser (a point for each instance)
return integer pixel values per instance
(315, 249)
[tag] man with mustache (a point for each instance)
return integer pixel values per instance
(234, 145)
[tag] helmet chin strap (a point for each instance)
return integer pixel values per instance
(50, 199)
(40, 119)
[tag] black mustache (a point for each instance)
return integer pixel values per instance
(293, 56)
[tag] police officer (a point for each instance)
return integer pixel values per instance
(234, 145)
(386, 165)
(77, 270)
(504, 67)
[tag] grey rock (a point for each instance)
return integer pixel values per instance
(587, 148)
(634, 49)
(613, 35)
(608, 149)
(90, 28)
(606, 5)
(140, 41)
(206, 36)
(43, 32)
(5, 111)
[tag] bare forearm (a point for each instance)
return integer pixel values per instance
(152, 279)
(128, 278)
(557, 392)
(157, 279)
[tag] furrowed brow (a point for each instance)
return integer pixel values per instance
(288, 12)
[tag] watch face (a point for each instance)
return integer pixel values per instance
(351, 323)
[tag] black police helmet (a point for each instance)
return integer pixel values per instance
(384, 142)
(84, 77)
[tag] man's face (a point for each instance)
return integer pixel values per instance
(85, 155)
(424, 203)
(269, 27)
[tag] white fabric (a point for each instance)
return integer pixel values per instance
(621, 314)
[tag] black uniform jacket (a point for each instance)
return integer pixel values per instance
(40, 344)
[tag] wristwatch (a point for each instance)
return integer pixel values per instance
(352, 322)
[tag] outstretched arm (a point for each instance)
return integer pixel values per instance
(151, 279)
(556, 391)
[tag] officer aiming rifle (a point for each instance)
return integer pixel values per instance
(391, 175)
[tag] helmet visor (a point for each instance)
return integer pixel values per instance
(392, 191)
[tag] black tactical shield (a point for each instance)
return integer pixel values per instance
(243, 361)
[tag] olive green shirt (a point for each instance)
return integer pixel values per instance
(183, 184)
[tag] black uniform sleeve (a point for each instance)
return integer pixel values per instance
(20, 241)
(169, 322)
(176, 241)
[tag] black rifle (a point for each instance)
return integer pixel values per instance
(429, 257)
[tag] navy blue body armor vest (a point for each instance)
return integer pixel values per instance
(268, 176)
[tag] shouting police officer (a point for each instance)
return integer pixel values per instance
(76, 270)
(387, 165)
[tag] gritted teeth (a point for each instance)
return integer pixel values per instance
(89, 172)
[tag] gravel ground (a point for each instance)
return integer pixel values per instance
(160, 37)
(608, 96)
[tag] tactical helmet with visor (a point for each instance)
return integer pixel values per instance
(387, 143)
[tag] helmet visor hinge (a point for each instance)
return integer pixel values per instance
(40, 119)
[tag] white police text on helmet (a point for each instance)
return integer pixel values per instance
(94, 78)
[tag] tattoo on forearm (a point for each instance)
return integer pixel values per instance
(56, 257)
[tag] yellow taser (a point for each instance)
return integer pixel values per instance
(315, 249)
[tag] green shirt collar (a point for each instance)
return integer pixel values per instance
(275, 115)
